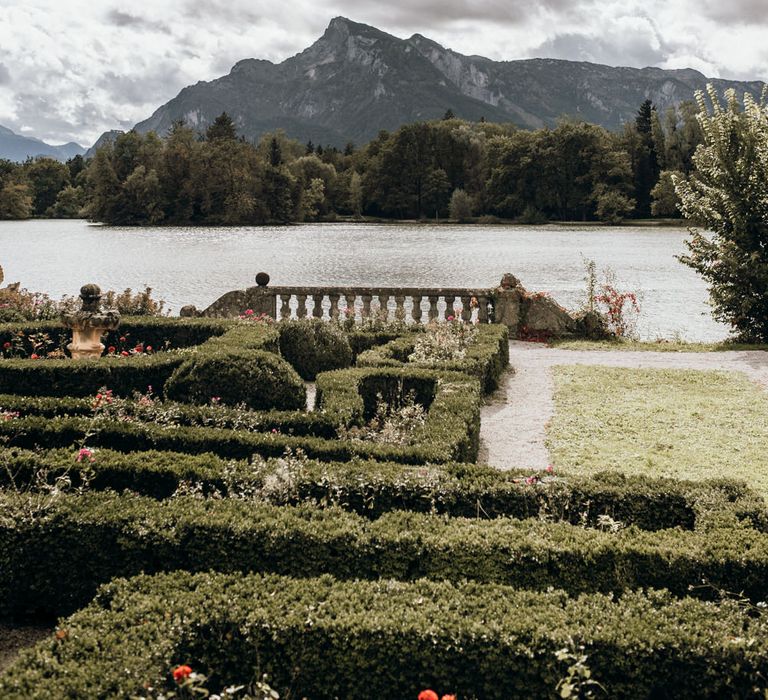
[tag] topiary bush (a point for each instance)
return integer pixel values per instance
(313, 346)
(259, 380)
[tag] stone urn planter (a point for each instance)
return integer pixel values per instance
(89, 324)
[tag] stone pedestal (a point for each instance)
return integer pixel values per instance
(89, 324)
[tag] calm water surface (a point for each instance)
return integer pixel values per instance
(197, 265)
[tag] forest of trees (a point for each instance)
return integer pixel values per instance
(440, 169)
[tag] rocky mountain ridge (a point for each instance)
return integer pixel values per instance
(356, 80)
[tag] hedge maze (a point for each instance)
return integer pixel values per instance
(214, 522)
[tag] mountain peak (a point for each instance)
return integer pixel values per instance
(340, 28)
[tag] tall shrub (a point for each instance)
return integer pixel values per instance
(728, 195)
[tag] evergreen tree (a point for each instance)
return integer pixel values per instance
(275, 152)
(222, 129)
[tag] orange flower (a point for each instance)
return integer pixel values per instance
(448, 697)
(182, 672)
(428, 695)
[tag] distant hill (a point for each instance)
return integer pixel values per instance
(105, 138)
(19, 148)
(356, 80)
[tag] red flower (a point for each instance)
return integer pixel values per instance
(33, 356)
(182, 672)
(125, 353)
(149, 348)
(122, 338)
(111, 349)
(6, 345)
(139, 348)
(428, 695)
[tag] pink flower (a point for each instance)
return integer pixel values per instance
(550, 469)
(34, 356)
(84, 454)
(450, 318)
(249, 312)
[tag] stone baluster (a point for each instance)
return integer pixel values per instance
(482, 309)
(400, 307)
(367, 298)
(350, 299)
(285, 306)
(334, 310)
(466, 309)
(384, 306)
(301, 309)
(449, 310)
(416, 310)
(433, 312)
(317, 309)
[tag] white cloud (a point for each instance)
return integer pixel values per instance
(71, 69)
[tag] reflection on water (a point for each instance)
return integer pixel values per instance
(197, 265)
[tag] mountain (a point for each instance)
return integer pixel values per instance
(356, 80)
(19, 148)
(103, 140)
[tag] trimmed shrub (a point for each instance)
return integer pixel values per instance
(83, 378)
(313, 346)
(52, 560)
(486, 358)
(259, 380)
(372, 489)
(322, 638)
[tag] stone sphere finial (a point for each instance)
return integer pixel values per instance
(262, 279)
(90, 294)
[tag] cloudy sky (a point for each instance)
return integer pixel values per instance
(71, 69)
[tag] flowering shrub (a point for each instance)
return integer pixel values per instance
(391, 425)
(189, 684)
(33, 346)
(251, 316)
(444, 342)
(619, 310)
(430, 694)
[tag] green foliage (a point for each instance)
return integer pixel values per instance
(728, 195)
(485, 358)
(461, 206)
(372, 489)
(665, 201)
(259, 380)
(105, 535)
(316, 638)
(313, 346)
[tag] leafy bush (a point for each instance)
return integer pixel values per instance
(485, 358)
(258, 380)
(314, 346)
(322, 638)
(728, 194)
(103, 535)
(371, 489)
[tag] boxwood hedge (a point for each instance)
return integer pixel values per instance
(486, 359)
(346, 397)
(322, 638)
(52, 559)
(371, 488)
(124, 375)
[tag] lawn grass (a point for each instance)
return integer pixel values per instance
(684, 424)
(653, 345)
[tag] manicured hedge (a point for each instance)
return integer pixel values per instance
(164, 412)
(371, 489)
(148, 330)
(83, 378)
(312, 346)
(53, 562)
(486, 359)
(125, 375)
(256, 379)
(323, 639)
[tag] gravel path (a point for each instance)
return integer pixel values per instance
(514, 420)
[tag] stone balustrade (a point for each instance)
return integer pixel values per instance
(510, 304)
(416, 305)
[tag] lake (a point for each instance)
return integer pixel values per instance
(189, 265)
